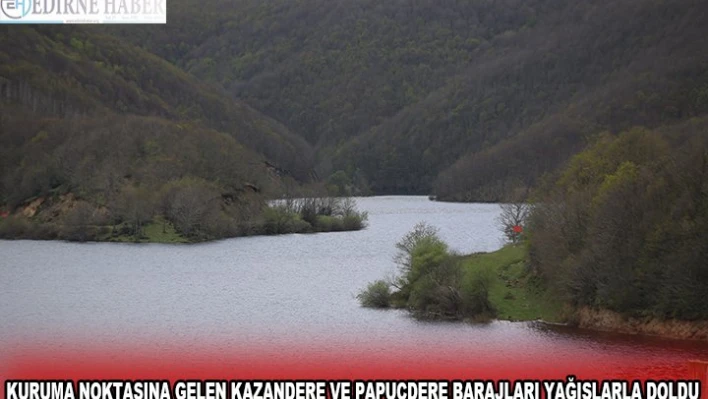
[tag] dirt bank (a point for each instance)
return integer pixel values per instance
(605, 320)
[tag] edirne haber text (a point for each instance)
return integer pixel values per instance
(95, 7)
(470, 389)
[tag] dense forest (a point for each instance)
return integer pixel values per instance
(621, 227)
(96, 133)
(471, 100)
(474, 100)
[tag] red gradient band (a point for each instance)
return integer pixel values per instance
(141, 362)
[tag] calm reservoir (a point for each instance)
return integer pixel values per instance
(274, 291)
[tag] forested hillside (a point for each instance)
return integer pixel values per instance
(332, 69)
(71, 70)
(471, 100)
(474, 99)
(113, 134)
(622, 226)
(613, 240)
(604, 66)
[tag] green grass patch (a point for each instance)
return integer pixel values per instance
(514, 293)
(163, 232)
(157, 231)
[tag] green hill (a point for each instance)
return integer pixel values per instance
(69, 70)
(330, 70)
(471, 99)
(95, 126)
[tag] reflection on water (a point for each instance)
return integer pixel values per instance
(273, 291)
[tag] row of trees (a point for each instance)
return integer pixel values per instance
(313, 214)
(196, 209)
(622, 227)
(193, 207)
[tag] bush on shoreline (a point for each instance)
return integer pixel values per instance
(432, 281)
(376, 295)
(308, 215)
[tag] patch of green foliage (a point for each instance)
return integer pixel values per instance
(622, 226)
(328, 223)
(162, 231)
(158, 230)
(281, 220)
(514, 292)
(436, 283)
(376, 295)
(433, 282)
(311, 215)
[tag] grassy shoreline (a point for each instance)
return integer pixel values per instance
(161, 231)
(514, 293)
(517, 295)
(436, 282)
(69, 219)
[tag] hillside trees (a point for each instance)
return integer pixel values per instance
(621, 227)
(474, 100)
(41, 71)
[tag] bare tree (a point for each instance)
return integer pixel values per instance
(512, 219)
(193, 206)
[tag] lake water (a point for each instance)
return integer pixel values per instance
(294, 293)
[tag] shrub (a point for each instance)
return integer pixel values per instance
(376, 295)
(328, 223)
(79, 223)
(475, 292)
(512, 219)
(354, 222)
(421, 235)
(134, 206)
(410, 241)
(309, 209)
(198, 210)
(318, 214)
(434, 281)
(280, 220)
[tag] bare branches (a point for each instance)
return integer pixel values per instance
(512, 219)
(421, 231)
